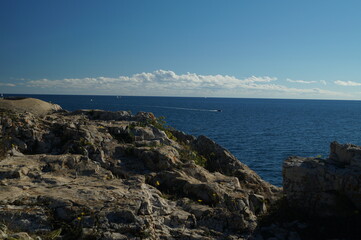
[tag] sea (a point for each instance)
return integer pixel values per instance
(261, 133)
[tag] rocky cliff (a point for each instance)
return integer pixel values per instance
(93, 174)
(325, 187)
(325, 194)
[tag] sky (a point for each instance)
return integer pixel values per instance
(204, 48)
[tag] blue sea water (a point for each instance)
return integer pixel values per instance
(261, 133)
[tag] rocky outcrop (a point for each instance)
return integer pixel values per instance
(325, 187)
(221, 160)
(31, 105)
(321, 198)
(93, 174)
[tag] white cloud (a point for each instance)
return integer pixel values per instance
(168, 83)
(7, 85)
(347, 83)
(299, 81)
(160, 79)
(323, 82)
(306, 82)
(254, 79)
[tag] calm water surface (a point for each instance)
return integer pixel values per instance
(259, 132)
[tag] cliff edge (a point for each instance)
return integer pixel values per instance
(321, 197)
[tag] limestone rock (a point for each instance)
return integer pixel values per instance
(31, 105)
(96, 174)
(144, 116)
(103, 115)
(325, 187)
(20, 236)
(221, 160)
(347, 154)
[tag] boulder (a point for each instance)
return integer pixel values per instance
(160, 158)
(221, 160)
(345, 154)
(144, 117)
(183, 137)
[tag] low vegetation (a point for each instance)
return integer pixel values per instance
(187, 154)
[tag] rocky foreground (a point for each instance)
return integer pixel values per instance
(93, 174)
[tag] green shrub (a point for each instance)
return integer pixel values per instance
(187, 154)
(170, 135)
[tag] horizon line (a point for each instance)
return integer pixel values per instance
(111, 95)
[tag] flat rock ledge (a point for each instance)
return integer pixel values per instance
(93, 174)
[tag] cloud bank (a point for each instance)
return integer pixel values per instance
(169, 83)
(347, 83)
(300, 81)
(159, 79)
(7, 85)
(306, 82)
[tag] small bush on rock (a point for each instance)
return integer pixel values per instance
(187, 154)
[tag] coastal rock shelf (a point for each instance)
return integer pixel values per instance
(93, 174)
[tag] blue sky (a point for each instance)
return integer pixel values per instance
(270, 49)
